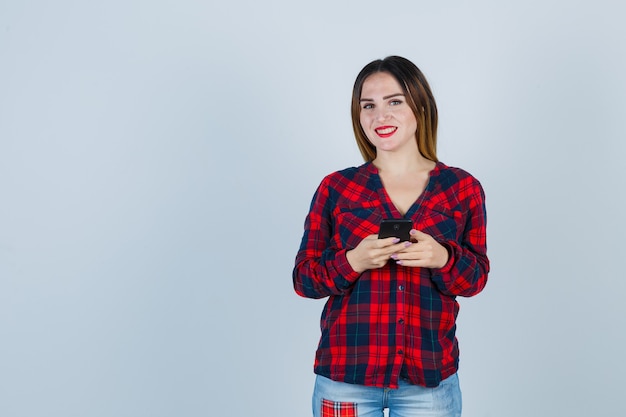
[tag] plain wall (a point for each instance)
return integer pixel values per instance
(157, 160)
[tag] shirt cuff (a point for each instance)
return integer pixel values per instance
(344, 268)
(448, 266)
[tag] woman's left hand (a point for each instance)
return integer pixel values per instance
(424, 252)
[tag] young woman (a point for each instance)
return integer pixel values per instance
(388, 327)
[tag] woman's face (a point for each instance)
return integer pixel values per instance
(386, 118)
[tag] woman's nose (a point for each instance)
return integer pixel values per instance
(382, 114)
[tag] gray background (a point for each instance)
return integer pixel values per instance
(157, 160)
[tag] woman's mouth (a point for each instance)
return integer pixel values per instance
(385, 131)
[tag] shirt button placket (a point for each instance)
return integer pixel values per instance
(400, 352)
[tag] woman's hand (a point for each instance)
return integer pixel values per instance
(372, 252)
(424, 252)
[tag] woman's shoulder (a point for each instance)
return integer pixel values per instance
(354, 173)
(453, 173)
(457, 181)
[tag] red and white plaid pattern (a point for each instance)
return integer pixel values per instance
(338, 409)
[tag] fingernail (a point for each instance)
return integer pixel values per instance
(396, 240)
(399, 262)
(407, 244)
(394, 256)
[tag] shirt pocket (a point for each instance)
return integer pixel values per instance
(355, 221)
(441, 222)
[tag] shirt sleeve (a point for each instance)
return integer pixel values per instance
(321, 267)
(465, 273)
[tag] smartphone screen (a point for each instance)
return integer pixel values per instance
(399, 228)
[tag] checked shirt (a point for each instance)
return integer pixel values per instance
(393, 321)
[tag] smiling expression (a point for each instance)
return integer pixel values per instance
(386, 118)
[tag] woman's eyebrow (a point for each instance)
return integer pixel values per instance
(384, 98)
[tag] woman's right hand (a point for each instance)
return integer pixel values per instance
(372, 252)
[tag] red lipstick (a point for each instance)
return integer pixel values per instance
(385, 131)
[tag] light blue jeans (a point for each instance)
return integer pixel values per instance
(406, 401)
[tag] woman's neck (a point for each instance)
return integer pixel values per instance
(402, 163)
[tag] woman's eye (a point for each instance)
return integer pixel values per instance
(368, 106)
(395, 102)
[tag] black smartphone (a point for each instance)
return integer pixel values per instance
(399, 228)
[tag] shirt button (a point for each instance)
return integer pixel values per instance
(400, 352)
(401, 287)
(401, 321)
